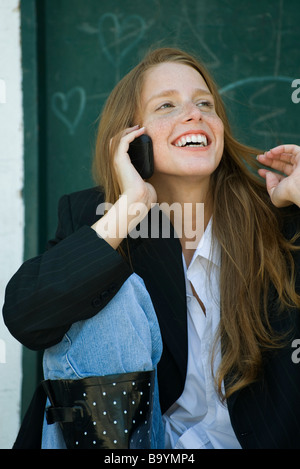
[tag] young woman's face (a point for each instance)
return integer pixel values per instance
(179, 115)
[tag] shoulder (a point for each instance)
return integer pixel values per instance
(81, 206)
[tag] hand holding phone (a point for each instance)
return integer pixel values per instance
(141, 155)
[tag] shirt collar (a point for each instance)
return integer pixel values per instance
(208, 247)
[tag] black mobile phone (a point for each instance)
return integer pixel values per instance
(141, 155)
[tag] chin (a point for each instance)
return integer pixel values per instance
(196, 168)
(199, 170)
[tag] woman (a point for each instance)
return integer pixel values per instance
(228, 309)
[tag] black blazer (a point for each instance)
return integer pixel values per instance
(79, 274)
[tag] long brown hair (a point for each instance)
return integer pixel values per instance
(254, 253)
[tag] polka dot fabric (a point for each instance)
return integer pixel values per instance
(107, 412)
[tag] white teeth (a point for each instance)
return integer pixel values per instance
(198, 139)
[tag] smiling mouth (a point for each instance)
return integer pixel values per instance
(192, 140)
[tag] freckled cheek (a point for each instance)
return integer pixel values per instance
(218, 126)
(159, 131)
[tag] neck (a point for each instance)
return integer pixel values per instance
(189, 206)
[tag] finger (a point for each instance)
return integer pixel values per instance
(272, 182)
(130, 129)
(126, 136)
(130, 137)
(120, 152)
(285, 157)
(273, 187)
(283, 166)
(285, 149)
(269, 156)
(262, 172)
(125, 132)
(271, 178)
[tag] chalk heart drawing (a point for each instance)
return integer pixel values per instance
(61, 105)
(118, 37)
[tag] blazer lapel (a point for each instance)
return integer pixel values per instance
(158, 260)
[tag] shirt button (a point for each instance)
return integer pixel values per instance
(96, 302)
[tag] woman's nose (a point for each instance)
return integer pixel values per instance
(192, 112)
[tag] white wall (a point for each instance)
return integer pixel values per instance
(11, 209)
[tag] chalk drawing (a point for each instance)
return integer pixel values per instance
(266, 124)
(186, 22)
(262, 124)
(246, 81)
(61, 102)
(118, 37)
(278, 38)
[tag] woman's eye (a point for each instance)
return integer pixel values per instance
(165, 106)
(205, 103)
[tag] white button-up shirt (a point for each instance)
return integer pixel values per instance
(198, 420)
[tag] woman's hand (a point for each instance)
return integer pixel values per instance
(136, 195)
(283, 188)
(129, 180)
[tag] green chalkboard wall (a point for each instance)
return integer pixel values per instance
(252, 49)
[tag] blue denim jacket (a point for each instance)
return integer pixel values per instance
(123, 337)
